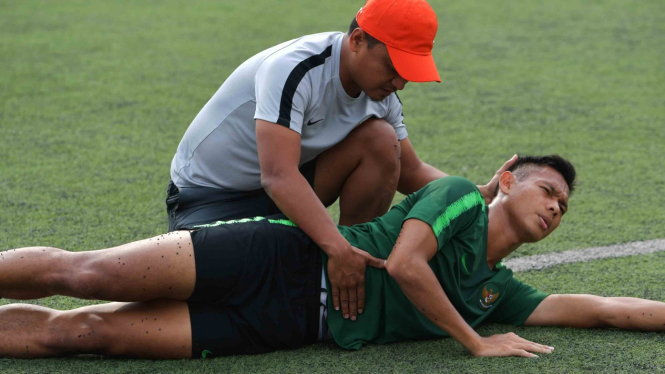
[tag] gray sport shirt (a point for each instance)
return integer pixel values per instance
(295, 84)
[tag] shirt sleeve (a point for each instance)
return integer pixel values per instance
(448, 205)
(282, 92)
(519, 302)
(395, 117)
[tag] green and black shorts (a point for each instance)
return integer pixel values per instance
(258, 287)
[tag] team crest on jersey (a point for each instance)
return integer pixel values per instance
(489, 295)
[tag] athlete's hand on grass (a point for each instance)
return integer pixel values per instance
(346, 271)
(509, 345)
(489, 190)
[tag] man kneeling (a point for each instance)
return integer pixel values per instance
(257, 285)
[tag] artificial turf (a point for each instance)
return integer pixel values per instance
(95, 96)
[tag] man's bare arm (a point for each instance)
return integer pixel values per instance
(414, 173)
(279, 154)
(408, 265)
(588, 311)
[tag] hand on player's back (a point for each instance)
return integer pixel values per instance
(346, 271)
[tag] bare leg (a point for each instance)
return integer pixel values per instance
(162, 267)
(153, 329)
(590, 311)
(363, 170)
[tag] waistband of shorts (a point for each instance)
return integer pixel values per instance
(196, 196)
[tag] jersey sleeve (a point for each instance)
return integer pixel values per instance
(395, 117)
(282, 92)
(519, 302)
(449, 205)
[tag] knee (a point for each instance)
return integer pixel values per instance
(84, 279)
(606, 312)
(60, 268)
(75, 332)
(378, 140)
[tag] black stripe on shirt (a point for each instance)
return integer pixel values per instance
(293, 81)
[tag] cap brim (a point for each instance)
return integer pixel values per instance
(414, 68)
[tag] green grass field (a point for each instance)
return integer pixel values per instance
(95, 96)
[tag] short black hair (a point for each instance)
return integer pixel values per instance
(527, 164)
(371, 41)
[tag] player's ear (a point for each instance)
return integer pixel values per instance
(506, 182)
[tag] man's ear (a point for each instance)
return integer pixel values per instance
(506, 182)
(356, 39)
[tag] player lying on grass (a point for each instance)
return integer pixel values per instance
(253, 285)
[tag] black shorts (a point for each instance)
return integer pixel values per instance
(257, 288)
(187, 207)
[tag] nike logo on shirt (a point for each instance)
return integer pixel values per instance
(310, 123)
(464, 263)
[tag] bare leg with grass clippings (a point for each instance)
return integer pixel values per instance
(153, 329)
(161, 267)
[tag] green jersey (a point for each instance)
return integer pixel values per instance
(457, 213)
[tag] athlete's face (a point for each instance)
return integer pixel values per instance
(536, 203)
(373, 71)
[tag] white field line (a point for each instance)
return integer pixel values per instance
(537, 262)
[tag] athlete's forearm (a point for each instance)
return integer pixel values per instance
(422, 288)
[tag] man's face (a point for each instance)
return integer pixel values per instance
(374, 73)
(537, 203)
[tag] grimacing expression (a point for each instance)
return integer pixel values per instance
(538, 202)
(375, 73)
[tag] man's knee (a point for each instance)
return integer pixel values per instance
(379, 142)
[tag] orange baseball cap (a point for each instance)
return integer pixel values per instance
(407, 28)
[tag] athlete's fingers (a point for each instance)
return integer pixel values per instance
(335, 296)
(541, 347)
(538, 346)
(530, 347)
(519, 353)
(344, 300)
(517, 342)
(523, 353)
(353, 303)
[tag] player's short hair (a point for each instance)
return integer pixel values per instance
(525, 165)
(371, 41)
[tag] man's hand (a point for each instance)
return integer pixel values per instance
(489, 190)
(508, 345)
(346, 271)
